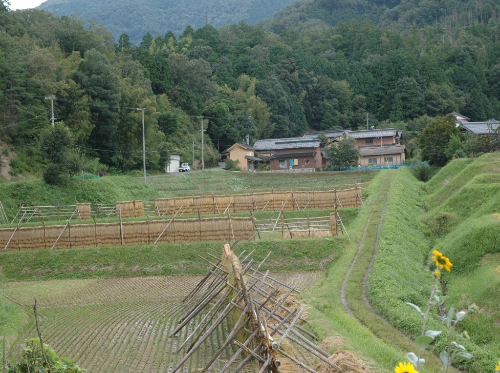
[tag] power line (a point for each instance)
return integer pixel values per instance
(17, 124)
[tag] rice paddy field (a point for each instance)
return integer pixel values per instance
(120, 324)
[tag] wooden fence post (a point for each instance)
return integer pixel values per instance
(44, 240)
(282, 215)
(149, 236)
(121, 226)
(199, 219)
(95, 231)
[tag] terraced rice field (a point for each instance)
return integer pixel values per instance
(119, 325)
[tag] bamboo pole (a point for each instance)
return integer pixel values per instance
(231, 224)
(266, 204)
(171, 220)
(40, 337)
(343, 227)
(55, 243)
(13, 233)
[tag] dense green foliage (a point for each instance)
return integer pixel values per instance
(342, 154)
(34, 361)
(445, 16)
(433, 140)
(138, 18)
(242, 79)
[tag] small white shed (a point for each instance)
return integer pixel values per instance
(175, 162)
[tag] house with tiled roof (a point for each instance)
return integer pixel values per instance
(379, 146)
(244, 155)
(480, 128)
(290, 153)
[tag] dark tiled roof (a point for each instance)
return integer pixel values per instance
(384, 150)
(386, 132)
(329, 133)
(293, 155)
(287, 143)
(480, 128)
(254, 159)
(243, 145)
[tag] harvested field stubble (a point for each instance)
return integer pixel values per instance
(120, 325)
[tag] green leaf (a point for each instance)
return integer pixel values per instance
(449, 317)
(461, 315)
(444, 358)
(416, 307)
(465, 354)
(423, 341)
(433, 333)
(412, 358)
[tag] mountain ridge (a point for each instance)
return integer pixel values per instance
(137, 18)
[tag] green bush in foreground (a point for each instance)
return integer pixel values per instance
(33, 360)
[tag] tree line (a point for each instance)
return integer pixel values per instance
(242, 79)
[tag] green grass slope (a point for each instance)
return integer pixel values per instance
(468, 208)
(105, 190)
(399, 273)
(460, 173)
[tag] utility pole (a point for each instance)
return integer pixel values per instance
(367, 121)
(193, 156)
(202, 157)
(51, 98)
(381, 151)
(143, 145)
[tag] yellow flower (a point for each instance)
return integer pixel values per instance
(437, 273)
(441, 261)
(497, 368)
(405, 368)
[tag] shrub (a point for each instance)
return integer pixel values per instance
(232, 165)
(423, 172)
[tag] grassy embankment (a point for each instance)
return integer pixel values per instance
(462, 201)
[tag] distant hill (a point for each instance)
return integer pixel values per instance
(138, 17)
(398, 15)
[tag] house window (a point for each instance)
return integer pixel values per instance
(368, 141)
(296, 162)
(372, 161)
(282, 163)
(388, 160)
(307, 161)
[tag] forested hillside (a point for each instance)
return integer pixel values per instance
(448, 15)
(138, 17)
(242, 79)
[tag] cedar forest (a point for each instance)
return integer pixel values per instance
(312, 66)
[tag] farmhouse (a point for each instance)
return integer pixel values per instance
(295, 153)
(480, 128)
(244, 155)
(379, 146)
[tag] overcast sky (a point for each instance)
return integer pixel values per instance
(24, 4)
